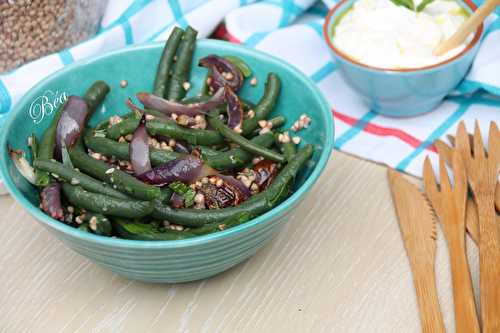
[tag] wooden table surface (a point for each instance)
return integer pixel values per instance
(338, 266)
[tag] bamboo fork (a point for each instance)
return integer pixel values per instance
(450, 204)
(471, 215)
(497, 191)
(482, 173)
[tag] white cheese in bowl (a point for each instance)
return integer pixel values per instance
(381, 34)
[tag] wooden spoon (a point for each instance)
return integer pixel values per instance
(470, 25)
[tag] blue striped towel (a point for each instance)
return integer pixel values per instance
(291, 30)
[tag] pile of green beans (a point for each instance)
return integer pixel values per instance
(105, 199)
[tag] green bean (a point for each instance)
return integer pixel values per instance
(123, 128)
(95, 95)
(236, 157)
(103, 125)
(171, 129)
(255, 206)
(265, 105)
(277, 122)
(100, 170)
(182, 66)
(155, 113)
(141, 231)
(209, 228)
(107, 205)
(84, 227)
(77, 178)
(120, 150)
(165, 65)
(166, 194)
(242, 66)
(247, 105)
(46, 148)
(244, 143)
(288, 149)
(98, 223)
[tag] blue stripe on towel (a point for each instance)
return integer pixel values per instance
(436, 134)
(127, 31)
(352, 132)
(178, 14)
(134, 8)
(317, 26)
(323, 72)
(256, 38)
(66, 57)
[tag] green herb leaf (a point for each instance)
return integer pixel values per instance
(34, 146)
(189, 198)
(242, 66)
(423, 4)
(185, 191)
(65, 156)
(405, 3)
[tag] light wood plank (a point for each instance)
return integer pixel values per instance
(339, 265)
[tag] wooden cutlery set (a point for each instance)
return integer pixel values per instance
(474, 169)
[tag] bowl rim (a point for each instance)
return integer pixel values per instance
(344, 56)
(286, 205)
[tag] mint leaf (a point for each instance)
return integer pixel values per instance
(66, 159)
(405, 3)
(423, 4)
(185, 191)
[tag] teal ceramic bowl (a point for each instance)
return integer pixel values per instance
(165, 261)
(401, 92)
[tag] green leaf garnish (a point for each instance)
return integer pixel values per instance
(423, 4)
(66, 159)
(185, 191)
(405, 3)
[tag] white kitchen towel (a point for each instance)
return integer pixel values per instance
(291, 30)
(399, 143)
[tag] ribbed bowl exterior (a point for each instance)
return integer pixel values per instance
(182, 264)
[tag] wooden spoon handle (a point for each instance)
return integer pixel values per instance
(469, 26)
(428, 303)
(489, 267)
(466, 319)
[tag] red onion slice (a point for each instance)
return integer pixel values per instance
(71, 123)
(154, 102)
(176, 201)
(217, 66)
(265, 171)
(185, 169)
(182, 147)
(237, 185)
(234, 109)
(51, 201)
(133, 107)
(22, 165)
(139, 149)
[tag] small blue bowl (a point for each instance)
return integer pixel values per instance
(166, 261)
(401, 92)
